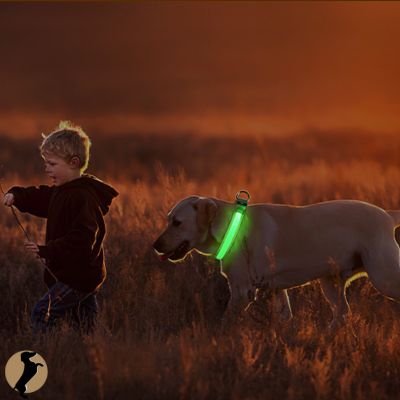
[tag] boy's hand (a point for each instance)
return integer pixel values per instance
(31, 247)
(8, 199)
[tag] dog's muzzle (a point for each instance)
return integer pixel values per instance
(174, 255)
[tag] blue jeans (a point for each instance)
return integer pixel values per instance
(78, 308)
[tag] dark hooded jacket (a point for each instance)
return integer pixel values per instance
(75, 228)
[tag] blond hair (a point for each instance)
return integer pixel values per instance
(67, 141)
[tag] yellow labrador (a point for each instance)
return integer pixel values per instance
(287, 246)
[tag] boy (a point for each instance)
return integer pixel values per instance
(74, 207)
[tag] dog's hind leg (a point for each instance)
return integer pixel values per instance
(334, 290)
(383, 267)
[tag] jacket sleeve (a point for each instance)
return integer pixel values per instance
(79, 241)
(34, 200)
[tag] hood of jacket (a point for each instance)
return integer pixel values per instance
(103, 192)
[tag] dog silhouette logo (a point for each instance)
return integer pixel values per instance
(26, 372)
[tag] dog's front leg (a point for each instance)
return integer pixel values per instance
(333, 289)
(216, 295)
(281, 306)
(235, 306)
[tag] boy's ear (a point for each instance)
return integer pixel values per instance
(75, 162)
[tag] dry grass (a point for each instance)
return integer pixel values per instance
(153, 341)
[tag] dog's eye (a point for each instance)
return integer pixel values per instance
(175, 222)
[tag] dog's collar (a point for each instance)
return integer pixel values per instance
(234, 226)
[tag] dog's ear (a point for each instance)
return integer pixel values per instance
(206, 211)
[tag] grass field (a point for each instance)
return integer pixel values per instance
(153, 340)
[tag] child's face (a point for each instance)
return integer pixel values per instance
(59, 170)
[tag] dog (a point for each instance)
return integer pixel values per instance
(286, 246)
(30, 370)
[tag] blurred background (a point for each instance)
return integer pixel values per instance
(237, 68)
(202, 88)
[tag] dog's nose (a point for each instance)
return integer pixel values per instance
(157, 244)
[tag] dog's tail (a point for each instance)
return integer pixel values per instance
(395, 214)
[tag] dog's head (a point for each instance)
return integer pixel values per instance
(189, 223)
(26, 355)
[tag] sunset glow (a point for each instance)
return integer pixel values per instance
(268, 68)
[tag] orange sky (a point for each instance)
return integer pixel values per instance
(233, 67)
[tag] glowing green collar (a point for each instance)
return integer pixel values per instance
(234, 225)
